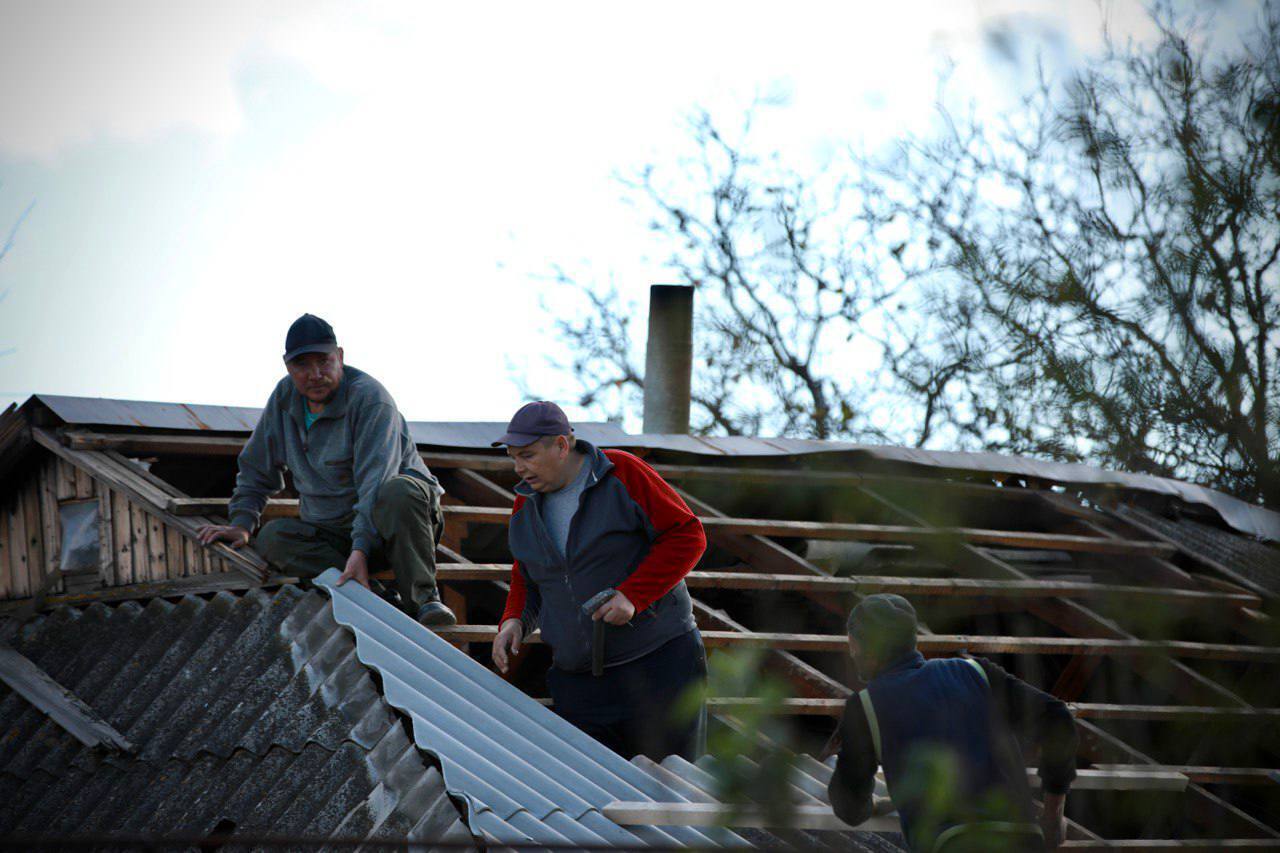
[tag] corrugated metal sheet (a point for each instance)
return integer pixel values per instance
(252, 709)
(526, 775)
(475, 435)
(808, 787)
(99, 411)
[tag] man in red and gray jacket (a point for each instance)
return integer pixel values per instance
(587, 521)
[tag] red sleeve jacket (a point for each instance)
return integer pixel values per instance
(631, 532)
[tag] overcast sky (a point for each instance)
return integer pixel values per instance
(198, 174)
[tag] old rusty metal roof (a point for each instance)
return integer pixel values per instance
(1241, 516)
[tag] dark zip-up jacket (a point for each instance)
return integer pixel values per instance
(950, 735)
(357, 443)
(632, 533)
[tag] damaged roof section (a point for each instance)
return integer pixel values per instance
(250, 714)
(1240, 515)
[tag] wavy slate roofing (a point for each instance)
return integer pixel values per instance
(257, 714)
(249, 713)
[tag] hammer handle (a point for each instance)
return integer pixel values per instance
(597, 648)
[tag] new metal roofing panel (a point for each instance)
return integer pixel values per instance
(808, 787)
(526, 774)
(246, 708)
(475, 435)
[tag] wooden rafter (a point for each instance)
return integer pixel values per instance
(928, 587)
(902, 534)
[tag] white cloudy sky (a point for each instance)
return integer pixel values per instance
(202, 173)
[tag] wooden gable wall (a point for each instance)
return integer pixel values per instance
(138, 542)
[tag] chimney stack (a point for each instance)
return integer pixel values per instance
(668, 360)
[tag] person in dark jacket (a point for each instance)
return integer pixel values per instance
(947, 734)
(586, 521)
(366, 495)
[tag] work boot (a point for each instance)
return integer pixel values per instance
(435, 614)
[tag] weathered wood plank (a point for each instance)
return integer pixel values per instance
(1206, 775)
(157, 549)
(190, 561)
(1169, 845)
(929, 587)
(204, 445)
(84, 484)
(19, 576)
(62, 706)
(6, 574)
(106, 538)
(934, 536)
(122, 539)
(37, 569)
(943, 644)
(1082, 710)
(1172, 713)
(66, 480)
(175, 554)
(139, 536)
(50, 519)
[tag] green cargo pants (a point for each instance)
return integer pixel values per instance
(408, 518)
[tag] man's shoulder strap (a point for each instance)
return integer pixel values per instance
(982, 672)
(873, 723)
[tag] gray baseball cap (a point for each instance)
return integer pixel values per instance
(883, 617)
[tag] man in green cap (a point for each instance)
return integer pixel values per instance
(946, 733)
(367, 498)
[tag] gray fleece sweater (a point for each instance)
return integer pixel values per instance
(358, 442)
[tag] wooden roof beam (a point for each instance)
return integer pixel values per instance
(909, 586)
(911, 535)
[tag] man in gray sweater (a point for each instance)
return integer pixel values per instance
(365, 495)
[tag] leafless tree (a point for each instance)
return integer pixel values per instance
(1092, 278)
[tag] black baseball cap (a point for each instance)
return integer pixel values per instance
(532, 422)
(309, 333)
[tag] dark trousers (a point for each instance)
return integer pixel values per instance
(654, 705)
(408, 518)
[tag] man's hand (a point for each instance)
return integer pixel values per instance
(236, 537)
(616, 611)
(507, 644)
(1053, 823)
(357, 569)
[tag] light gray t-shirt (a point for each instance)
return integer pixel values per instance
(558, 507)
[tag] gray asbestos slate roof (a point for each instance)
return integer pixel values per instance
(250, 708)
(1256, 561)
(525, 774)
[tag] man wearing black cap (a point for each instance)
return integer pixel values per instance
(946, 732)
(365, 493)
(601, 546)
